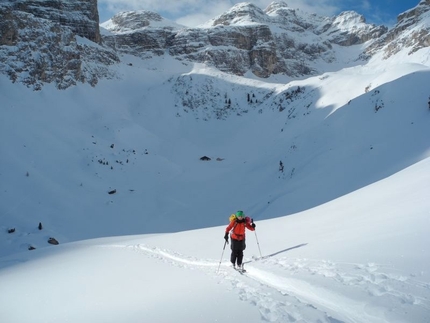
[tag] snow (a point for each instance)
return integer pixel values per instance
(344, 232)
(360, 258)
(132, 21)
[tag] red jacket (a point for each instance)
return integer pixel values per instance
(238, 232)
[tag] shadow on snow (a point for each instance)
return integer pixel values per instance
(276, 253)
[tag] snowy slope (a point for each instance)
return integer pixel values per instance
(360, 258)
(330, 138)
(113, 172)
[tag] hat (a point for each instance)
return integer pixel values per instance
(239, 214)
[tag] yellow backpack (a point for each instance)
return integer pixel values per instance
(234, 217)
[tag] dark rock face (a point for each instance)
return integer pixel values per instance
(81, 16)
(8, 28)
(140, 43)
(244, 53)
(140, 33)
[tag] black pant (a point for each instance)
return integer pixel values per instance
(237, 247)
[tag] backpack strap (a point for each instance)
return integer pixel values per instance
(235, 224)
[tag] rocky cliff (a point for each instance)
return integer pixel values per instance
(81, 16)
(36, 48)
(141, 33)
(47, 41)
(412, 31)
(246, 38)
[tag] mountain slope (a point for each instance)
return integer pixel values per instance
(166, 149)
(146, 147)
(360, 258)
(123, 157)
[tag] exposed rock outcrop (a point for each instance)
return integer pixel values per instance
(53, 241)
(36, 50)
(81, 16)
(141, 33)
(412, 31)
(349, 28)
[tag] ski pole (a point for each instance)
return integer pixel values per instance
(258, 244)
(221, 256)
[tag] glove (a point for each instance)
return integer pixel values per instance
(226, 237)
(253, 225)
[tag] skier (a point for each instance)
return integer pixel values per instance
(237, 226)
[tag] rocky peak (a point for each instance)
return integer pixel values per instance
(414, 15)
(140, 33)
(276, 6)
(348, 19)
(280, 12)
(240, 13)
(350, 28)
(412, 31)
(134, 21)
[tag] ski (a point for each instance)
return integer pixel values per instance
(240, 270)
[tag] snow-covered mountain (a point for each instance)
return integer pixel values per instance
(139, 33)
(278, 40)
(160, 115)
(148, 138)
(412, 31)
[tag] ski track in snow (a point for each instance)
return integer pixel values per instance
(290, 297)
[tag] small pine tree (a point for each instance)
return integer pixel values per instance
(281, 166)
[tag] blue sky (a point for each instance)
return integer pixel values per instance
(194, 12)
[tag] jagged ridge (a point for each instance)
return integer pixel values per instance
(276, 40)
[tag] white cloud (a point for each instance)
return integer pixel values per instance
(365, 4)
(173, 7)
(322, 7)
(198, 15)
